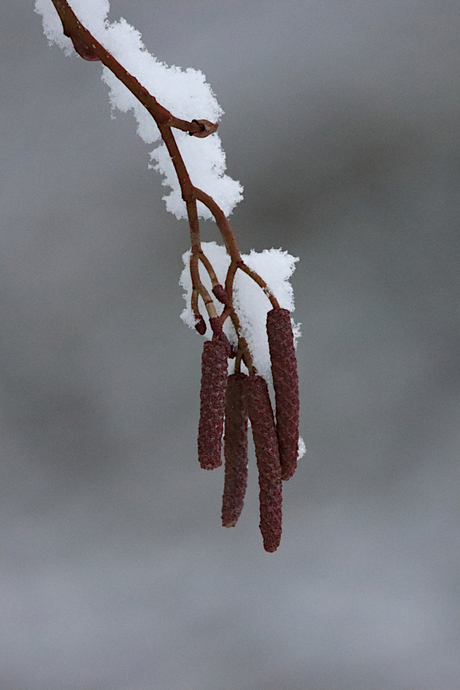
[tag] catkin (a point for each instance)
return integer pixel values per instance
(268, 461)
(212, 407)
(235, 450)
(286, 385)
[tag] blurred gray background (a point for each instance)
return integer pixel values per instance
(342, 122)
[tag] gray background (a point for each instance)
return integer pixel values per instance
(342, 122)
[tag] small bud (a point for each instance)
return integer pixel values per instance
(286, 385)
(268, 460)
(221, 294)
(235, 450)
(200, 324)
(212, 407)
(206, 128)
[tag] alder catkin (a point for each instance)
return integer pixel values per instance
(286, 385)
(212, 404)
(200, 324)
(235, 450)
(268, 460)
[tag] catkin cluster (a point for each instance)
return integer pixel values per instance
(228, 402)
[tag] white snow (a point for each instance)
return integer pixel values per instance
(52, 25)
(185, 93)
(302, 448)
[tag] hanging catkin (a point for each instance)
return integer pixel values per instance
(268, 460)
(286, 385)
(235, 450)
(212, 404)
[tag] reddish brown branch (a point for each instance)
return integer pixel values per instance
(90, 49)
(222, 223)
(261, 283)
(230, 243)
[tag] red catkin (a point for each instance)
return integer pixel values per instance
(286, 385)
(235, 450)
(268, 460)
(212, 404)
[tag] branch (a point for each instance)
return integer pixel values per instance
(90, 49)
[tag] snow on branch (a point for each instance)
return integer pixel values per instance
(241, 304)
(133, 74)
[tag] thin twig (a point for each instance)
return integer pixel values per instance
(82, 38)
